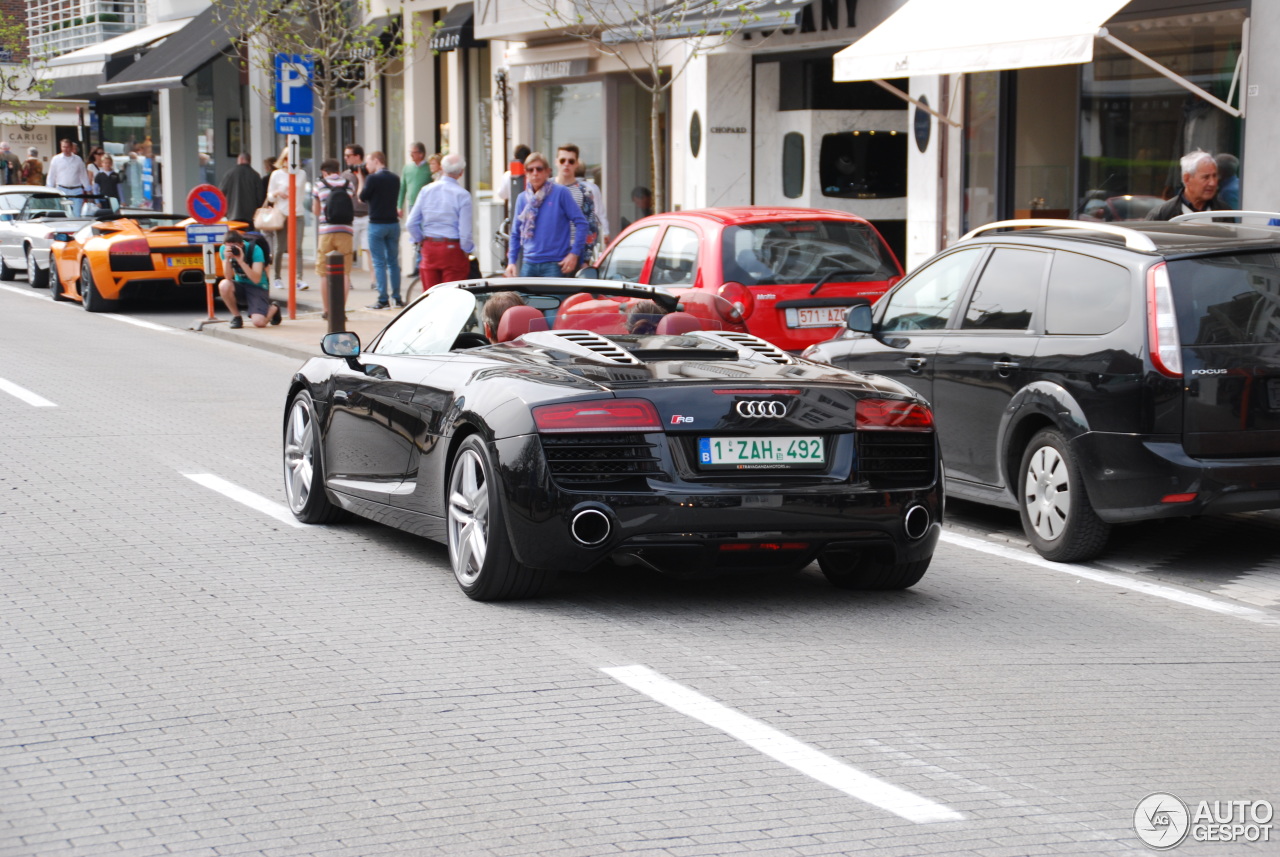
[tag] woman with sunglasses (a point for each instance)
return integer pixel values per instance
(548, 231)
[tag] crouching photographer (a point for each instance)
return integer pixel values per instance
(248, 286)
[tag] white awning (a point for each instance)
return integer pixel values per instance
(71, 64)
(947, 37)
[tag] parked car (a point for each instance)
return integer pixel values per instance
(27, 215)
(1087, 375)
(142, 256)
(570, 441)
(1114, 209)
(792, 272)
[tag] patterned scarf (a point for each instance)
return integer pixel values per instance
(530, 213)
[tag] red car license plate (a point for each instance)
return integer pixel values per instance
(818, 316)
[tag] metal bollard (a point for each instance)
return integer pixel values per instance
(334, 281)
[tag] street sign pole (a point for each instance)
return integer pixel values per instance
(293, 226)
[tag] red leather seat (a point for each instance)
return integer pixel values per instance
(519, 320)
(678, 322)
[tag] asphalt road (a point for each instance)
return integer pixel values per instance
(183, 670)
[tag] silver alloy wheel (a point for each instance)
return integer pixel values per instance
(32, 270)
(468, 516)
(299, 456)
(1048, 493)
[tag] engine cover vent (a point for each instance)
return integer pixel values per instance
(754, 346)
(585, 343)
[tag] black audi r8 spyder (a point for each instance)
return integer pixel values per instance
(537, 426)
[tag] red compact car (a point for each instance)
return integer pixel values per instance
(792, 272)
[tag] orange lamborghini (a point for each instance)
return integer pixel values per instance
(140, 256)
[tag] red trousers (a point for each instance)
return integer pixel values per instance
(442, 262)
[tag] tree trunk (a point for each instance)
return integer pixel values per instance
(655, 147)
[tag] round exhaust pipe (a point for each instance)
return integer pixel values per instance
(590, 527)
(916, 522)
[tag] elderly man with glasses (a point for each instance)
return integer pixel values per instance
(549, 229)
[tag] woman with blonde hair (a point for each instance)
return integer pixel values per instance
(278, 197)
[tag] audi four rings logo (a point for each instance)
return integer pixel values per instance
(755, 409)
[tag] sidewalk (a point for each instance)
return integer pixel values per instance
(301, 337)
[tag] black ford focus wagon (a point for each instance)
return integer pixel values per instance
(1091, 374)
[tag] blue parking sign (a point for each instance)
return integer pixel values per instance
(293, 83)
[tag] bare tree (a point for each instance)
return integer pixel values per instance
(350, 53)
(638, 32)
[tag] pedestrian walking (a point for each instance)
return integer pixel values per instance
(1199, 188)
(586, 194)
(11, 165)
(244, 189)
(380, 191)
(549, 230)
(334, 206)
(107, 180)
(417, 175)
(33, 168)
(66, 171)
(356, 173)
(278, 197)
(503, 190)
(440, 226)
(433, 163)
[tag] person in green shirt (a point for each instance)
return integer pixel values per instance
(248, 286)
(416, 176)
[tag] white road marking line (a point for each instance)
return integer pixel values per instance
(29, 293)
(247, 497)
(25, 395)
(777, 745)
(1169, 593)
(140, 323)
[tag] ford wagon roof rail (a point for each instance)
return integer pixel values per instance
(1211, 215)
(1133, 239)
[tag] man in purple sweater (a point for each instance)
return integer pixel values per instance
(540, 229)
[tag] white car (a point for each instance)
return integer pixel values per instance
(29, 219)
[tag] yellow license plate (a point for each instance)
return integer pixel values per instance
(185, 261)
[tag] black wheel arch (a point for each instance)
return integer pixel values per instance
(1039, 405)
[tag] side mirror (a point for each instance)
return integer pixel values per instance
(61, 236)
(858, 317)
(345, 344)
(7, 216)
(588, 273)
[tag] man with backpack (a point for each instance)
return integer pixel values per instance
(334, 207)
(440, 223)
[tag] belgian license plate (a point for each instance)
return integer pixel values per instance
(761, 453)
(816, 316)
(185, 261)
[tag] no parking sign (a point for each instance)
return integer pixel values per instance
(206, 204)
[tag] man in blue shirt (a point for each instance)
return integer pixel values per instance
(440, 223)
(541, 227)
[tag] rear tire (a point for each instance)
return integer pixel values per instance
(479, 548)
(303, 466)
(36, 278)
(93, 301)
(871, 569)
(1056, 514)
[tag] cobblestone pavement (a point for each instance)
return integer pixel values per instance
(184, 674)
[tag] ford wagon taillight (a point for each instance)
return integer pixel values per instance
(1163, 343)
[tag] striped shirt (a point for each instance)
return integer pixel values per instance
(321, 191)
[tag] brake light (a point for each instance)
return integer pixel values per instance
(598, 415)
(882, 414)
(1163, 343)
(131, 247)
(741, 298)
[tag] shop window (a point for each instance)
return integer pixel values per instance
(793, 165)
(863, 165)
(807, 85)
